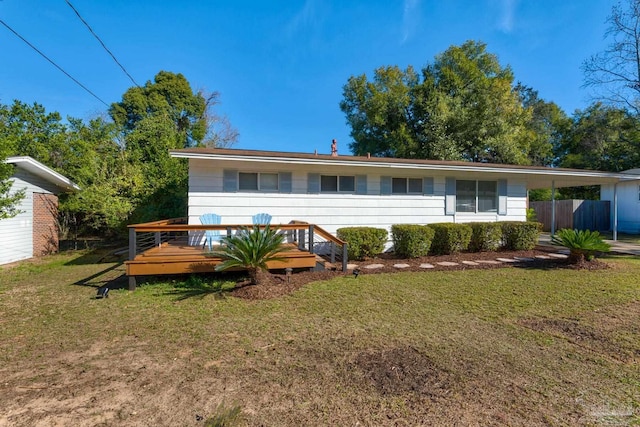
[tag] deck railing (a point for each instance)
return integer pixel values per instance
(315, 239)
(309, 237)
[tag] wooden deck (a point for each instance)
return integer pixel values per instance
(174, 247)
(179, 258)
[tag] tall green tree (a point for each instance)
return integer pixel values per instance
(463, 106)
(162, 115)
(9, 198)
(546, 129)
(168, 98)
(601, 137)
(380, 112)
(123, 167)
(111, 185)
(485, 116)
(32, 131)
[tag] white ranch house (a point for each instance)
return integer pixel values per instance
(342, 191)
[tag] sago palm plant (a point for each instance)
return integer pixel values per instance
(251, 249)
(581, 243)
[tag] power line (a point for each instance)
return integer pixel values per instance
(51, 61)
(101, 42)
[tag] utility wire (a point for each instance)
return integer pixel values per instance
(51, 61)
(101, 42)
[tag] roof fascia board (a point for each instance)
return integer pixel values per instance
(35, 167)
(610, 176)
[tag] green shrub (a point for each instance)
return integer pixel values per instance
(581, 243)
(485, 236)
(364, 242)
(520, 236)
(411, 240)
(532, 216)
(450, 238)
(251, 249)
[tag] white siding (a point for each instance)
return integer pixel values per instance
(628, 205)
(331, 210)
(16, 234)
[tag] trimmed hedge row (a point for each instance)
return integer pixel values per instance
(413, 240)
(485, 236)
(364, 242)
(450, 238)
(520, 236)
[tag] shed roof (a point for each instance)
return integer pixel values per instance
(33, 166)
(534, 176)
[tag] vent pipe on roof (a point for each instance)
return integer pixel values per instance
(334, 148)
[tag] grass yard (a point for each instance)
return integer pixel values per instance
(507, 346)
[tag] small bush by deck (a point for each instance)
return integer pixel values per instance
(364, 242)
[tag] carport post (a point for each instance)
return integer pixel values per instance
(615, 211)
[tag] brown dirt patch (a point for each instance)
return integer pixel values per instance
(595, 336)
(397, 371)
(91, 388)
(278, 285)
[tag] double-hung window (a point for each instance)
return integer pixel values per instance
(257, 181)
(406, 186)
(337, 183)
(476, 196)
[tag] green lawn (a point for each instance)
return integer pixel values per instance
(478, 347)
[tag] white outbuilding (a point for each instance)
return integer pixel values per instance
(34, 231)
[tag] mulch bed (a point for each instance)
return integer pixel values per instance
(277, 285)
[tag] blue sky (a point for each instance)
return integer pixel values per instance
(280, 65)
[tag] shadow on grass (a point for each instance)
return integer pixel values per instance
(112, 277)
(199, 286)
(104, 254)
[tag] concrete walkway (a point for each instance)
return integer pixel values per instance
(616, 246)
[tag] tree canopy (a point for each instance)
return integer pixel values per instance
(122, 165)
(8, 198)
(168, 98)
(463, 106)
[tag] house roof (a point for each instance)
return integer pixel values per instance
(534, 176)
(35, 167)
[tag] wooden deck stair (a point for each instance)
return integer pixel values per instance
(177, 258)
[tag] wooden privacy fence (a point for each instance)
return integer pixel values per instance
(575, 214)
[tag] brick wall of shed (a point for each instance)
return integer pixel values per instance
(45, 224)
